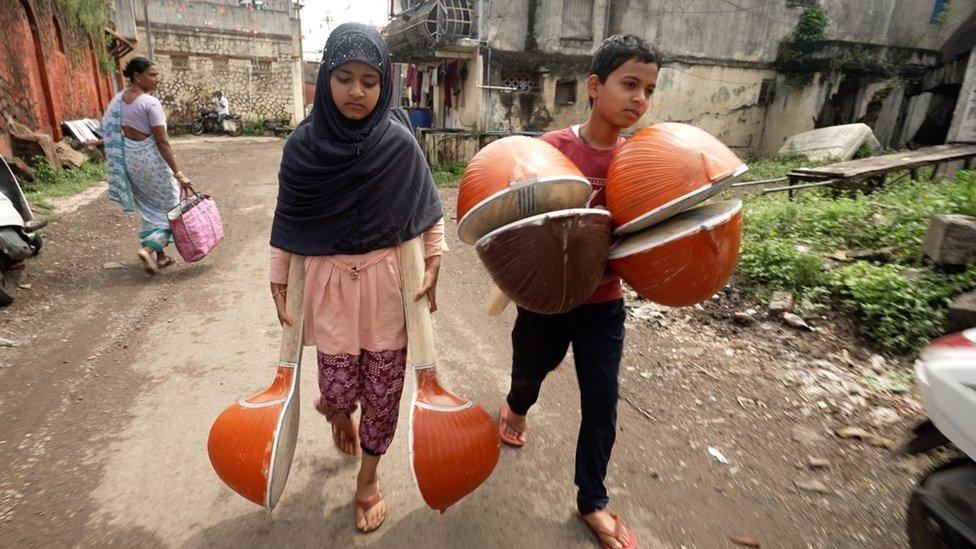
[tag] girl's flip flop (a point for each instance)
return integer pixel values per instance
(366, 507)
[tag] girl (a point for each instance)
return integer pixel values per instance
(142, 170)
(353, 185)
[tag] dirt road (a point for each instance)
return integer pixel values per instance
(108, 399)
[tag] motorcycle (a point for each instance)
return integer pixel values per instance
(942, 508)
(19, 236)
(207, 120)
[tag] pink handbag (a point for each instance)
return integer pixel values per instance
(196, 226)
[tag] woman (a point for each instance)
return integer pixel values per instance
(142, 170)
(353, 185)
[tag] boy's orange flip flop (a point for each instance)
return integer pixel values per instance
(619, 528)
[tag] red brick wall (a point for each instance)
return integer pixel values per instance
(41, 91)
(309, 93)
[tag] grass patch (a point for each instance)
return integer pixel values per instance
(253, 128)
(772, 168)
(899, 303)
(447, 175)
(52, 182)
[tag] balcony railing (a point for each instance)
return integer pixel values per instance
(430, 24)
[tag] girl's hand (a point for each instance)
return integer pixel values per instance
(279, 292)
(429, 289)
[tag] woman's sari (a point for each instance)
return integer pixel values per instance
(139, 178)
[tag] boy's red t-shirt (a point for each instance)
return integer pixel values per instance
(594, 163)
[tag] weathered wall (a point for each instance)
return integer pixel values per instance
(124, 18)
(794, 110)
(252, 56)
(724, 101)
(912, 27)
(719, 55)
(40, 85)
(706, 30)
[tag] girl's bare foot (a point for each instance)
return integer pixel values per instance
(345, 435)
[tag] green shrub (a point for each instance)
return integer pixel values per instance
(779, 264)
(965, 202)
(812, 25)
(253, 128)
(899, 308)
(52, 182)
(900, 305)
(448, 175)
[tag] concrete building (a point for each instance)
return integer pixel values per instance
(725, 68)
(250, 50)
(49, 70)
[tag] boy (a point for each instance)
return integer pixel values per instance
(623, 75)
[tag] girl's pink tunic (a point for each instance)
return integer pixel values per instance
(355, 302)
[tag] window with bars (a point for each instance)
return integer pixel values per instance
(522, 81)
(221, 65)
(261, 66)
(180, 62)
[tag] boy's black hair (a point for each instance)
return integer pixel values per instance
(617, 50)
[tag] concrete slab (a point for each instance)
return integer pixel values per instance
(962, 313)
(841, 142)
(951, 239)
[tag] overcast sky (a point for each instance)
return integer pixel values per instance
(319, 16)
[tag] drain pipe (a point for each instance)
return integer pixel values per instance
(481, 18)
(487, 75)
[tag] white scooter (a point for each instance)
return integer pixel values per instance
(942, 509)
(19, 238)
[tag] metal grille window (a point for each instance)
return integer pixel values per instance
(801, 3)
(577, 19)
(180, 62)
(521, 81)
(221, 64)
(261, 66)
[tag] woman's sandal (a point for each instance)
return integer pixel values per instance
(519, 440)
(148, 261)
(366, 507)
(618, 529)
(165, 263)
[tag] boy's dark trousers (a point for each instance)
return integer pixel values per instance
(539, 344)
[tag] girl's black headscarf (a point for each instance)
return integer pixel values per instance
(352, 186)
